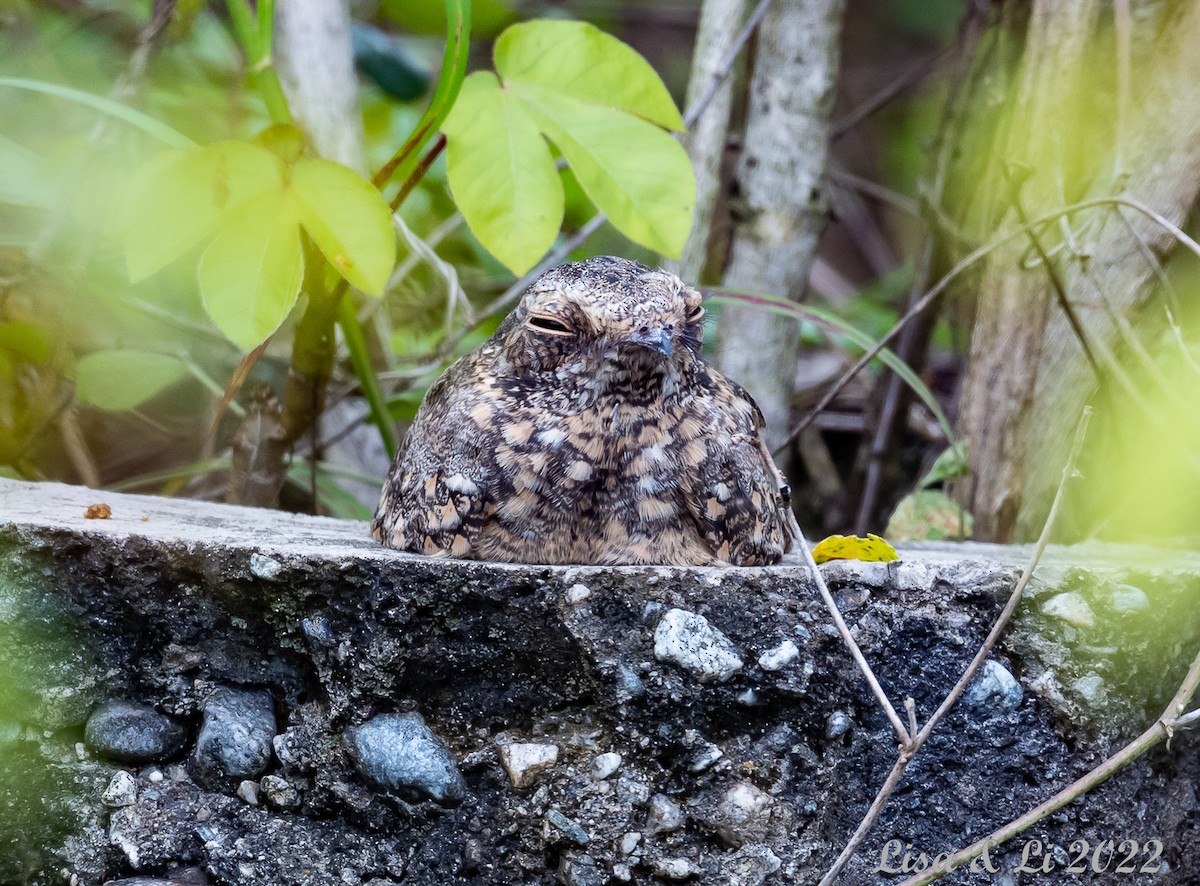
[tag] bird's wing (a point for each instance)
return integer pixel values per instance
(435, 500)
(734, 491)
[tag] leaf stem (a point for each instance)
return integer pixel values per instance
(360, 358)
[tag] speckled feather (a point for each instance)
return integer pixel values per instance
(589, 429)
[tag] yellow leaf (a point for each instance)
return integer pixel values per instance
(852, 547)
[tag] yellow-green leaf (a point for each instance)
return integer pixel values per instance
(250, 274)
(634, 172)
(349, 221)
(181, 196)
(514, 201)
(121, 379)
(580, 61)
(854, 547)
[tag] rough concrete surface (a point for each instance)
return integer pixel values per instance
(576, 726)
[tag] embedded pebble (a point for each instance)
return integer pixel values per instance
(779, 657)
(397, 752)
(629, 685)
(1127, 598)
(994, 687)
(1071, 608)
(279, 792)
(622, 872)
(629, 842)
(264, 567)
(675, 868)
(567, 827)
(577, 593)
(605, 765)
(580, 871)
(837, 724)
(524, 761)
(1091, 687)
(688, 640)
(121, 791)
(133, 733)
(247, 792)
(664, 816)
(235, 737)
(744, 814)
(707, 755)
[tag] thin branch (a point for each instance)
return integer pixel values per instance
(1162, 729)
(909, 751)
(964, 264)
(1056, 281)
(726, 66)
(1014, 599)
(889, 91)
(848, 639)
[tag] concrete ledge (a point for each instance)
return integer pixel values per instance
(443, 721)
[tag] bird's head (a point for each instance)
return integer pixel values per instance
(607, 320)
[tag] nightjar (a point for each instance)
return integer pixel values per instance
(588, 429)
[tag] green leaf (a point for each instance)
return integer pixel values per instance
(121, 379)
(250, 274)
(578, 60)
(181, 197)
(635, 173)
(950, 464)
(348, 220)
(603, 106)
(514, 201)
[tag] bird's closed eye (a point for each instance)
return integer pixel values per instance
(548, 324)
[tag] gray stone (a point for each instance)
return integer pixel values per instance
(279, 792)
(558, 825)
(994, 689)
(744, 815)
(580, 871)
(399, 753)
(837, 724)
(688, 640)
(133, 733)
(1127, 599)
(235, 737)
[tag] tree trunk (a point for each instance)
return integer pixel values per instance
(316, 69)
(1028, 378)
(783, 204)
(720, 21)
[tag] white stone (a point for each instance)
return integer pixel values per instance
(524, 761)
(605, 765)
(688, 640)
(121, 791)
(779, 657)
(577, 593)
(1071, 608)
(675, 868)
(629, 842)
(264, 567)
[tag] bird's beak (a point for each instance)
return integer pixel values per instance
(654, 339)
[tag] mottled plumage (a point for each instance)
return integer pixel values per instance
(589, 429)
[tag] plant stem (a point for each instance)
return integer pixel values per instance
(361, 360)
